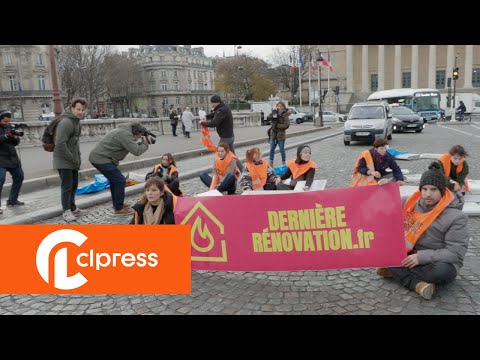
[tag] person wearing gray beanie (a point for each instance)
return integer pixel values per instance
(436, 236)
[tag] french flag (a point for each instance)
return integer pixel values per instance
(324, 60)
(312, 62)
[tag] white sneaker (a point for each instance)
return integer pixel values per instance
(68, 216)
(78, 212)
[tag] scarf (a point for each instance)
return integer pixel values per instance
(153, 218)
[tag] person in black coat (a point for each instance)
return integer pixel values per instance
(9, 160)
(174, 122)
(156, 205)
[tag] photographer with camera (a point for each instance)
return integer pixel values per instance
(276, 133)
(112, 149)
(9, 160)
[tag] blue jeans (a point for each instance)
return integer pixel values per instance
(17, 181)
(273, 146)
(117, 183)
(228, 184)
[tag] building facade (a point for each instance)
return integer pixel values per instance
(359, 70)
(174, 77)
(25, 81)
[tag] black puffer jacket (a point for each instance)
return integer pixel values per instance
(8, 154)
(222, 119)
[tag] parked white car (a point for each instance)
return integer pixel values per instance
(296, 116)
(330, 116)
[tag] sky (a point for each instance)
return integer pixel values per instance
(260, 51)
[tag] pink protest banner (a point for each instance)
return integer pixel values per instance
(331, 229)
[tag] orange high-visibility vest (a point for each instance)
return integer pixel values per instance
(300, 169)
(221, 166)
(416, 223)
(358, 179)
(172, 169)
(258, 173)
(206, 139)
(446, 160)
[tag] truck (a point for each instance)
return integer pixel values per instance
(471, 101)
(266, 107)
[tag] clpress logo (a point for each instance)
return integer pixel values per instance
(115, 259)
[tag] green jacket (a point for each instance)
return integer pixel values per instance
(116, 145)
(66, 154)
(277, 131)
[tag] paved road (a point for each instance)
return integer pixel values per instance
(346, 291)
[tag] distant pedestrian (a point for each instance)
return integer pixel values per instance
(436, 236)
(9, 159)
(108, 153)
(187, 121)
(262, 117)
(202, 113)
(221, 118)
(174, 121)
(66, 155)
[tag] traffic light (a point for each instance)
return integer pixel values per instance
(455, 73)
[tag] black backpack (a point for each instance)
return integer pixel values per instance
(48, 138)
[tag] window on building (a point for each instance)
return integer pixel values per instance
(176, 85)
(164, 86)
(476, 78)
(374, 82)
(194, 74)
(152, 74)
(199, 75)
(440, 79)
(13, 83)
(152, 101)
(201, 99)
(41, 82)
(8, 58)
(162, 58)
(177, 100)
(150, 59)
(196, 99)
(163, 73)
(175, 73)
(39, 59)
(189, 74)
(165, 101)
(406, 80)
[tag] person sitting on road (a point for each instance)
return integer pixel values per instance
(224, 171)
(371, 167)
(455, 168)
(167, 170)
(156, 205)
(436, 235)
(302, 168)
(257, 173)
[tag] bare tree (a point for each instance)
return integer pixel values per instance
(82, 70)
(245, 75)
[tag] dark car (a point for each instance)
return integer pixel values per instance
(405, 119)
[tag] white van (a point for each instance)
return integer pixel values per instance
(368, 121)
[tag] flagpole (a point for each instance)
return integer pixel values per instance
(309, 78)
(328, 72)
(300, 74)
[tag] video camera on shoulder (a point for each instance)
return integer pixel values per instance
(275, 115)
(17, 129)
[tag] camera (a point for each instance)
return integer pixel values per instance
(17, 129)
(275, 115)
(151, 138)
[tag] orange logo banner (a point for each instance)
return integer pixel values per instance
(95, 259)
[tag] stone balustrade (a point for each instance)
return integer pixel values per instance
(93, 130)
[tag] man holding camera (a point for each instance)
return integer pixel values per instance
(113, 148)
(9, 160)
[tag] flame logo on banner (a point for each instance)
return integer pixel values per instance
(204, 234)
(212, 249)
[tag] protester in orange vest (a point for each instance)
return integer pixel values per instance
(371, 166)
(156, 205)
(436, 235)
(302, 168)
(455, 168)
(224, 170)
(167, 170)
(257, 174)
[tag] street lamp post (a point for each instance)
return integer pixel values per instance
(57, 100)
(235, 49)
(320, 111)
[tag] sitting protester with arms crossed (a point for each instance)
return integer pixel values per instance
(302, 168)
(224, 169)
(257, 174)
(156, 205)
(436, 236)
(167, 171)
